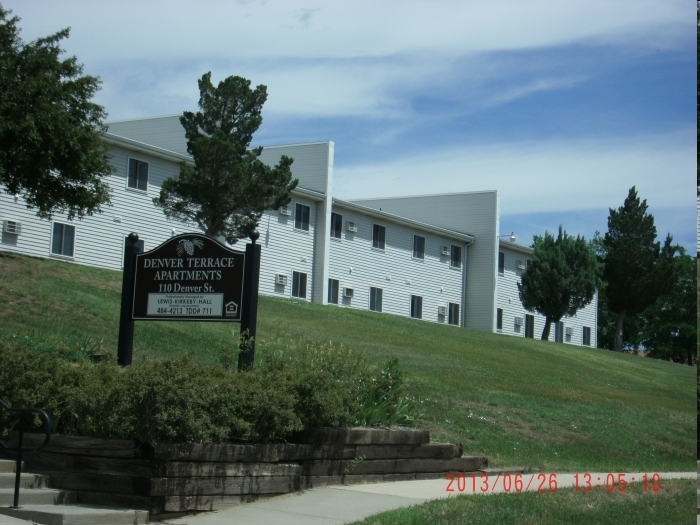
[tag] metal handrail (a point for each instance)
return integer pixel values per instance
(19, 449)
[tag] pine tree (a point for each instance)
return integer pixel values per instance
(637, 269)
(229, 187)
(561, 278)
(670, 323)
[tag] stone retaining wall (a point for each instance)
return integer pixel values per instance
(170, 478)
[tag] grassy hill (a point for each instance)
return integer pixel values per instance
(518, 401)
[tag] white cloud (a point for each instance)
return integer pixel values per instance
(328, 59)
(540, 176)
(133, 29)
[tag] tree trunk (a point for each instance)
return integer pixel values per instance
(618, 331)
(547, 326)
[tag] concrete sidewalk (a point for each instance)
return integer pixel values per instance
(348, 503)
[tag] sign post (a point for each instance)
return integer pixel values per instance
(190, 277)
(132, 246)
(249, 317)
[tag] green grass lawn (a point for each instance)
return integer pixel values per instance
(672, 505)
(517, 401)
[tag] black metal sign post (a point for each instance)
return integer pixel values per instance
(132, 246)
(249, 316)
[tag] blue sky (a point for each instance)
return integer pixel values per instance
(561, 107)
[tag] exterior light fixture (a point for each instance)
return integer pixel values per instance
(511, 237)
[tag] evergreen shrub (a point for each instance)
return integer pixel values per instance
(308, 385)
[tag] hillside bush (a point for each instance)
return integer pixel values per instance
(308, 385)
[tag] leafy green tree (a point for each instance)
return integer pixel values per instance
(561, 278)
(51, 152)
(637, 269)
(229, 187)
(670, 323)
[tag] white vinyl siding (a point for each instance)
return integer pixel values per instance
(474, 213)
(284, 249)
(358, 266)
(99, 238)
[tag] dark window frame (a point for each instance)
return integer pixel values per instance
(586, 336)
(333, 291)
(58, 239)
(336, 226)
(302, 216)
(559, 332)
(416, 306)
(378, 237)
(376, 293)
(501, 263)
(452, 315)
(296, 284)
(499, 318)
(418, 251)
(139, 180)
(530, 326)
(455, 249)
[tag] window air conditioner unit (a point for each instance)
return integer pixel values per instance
(280, 278)
(352, 227)
(348, 292)
(569, 331)
(445, 250)
(442, 310)
(285, 211)
(520, 265)
(12, 227)
(518, 321)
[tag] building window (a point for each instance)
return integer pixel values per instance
(299, 285)
(417, 307)
(378, 236)
(301, 217)
(559, 332)
(336, 225)
(375, 299)
(499, 318)
(530, 326)
(138, 174)
(453, 317)
(63, 241)
(455, 256)
(501, 262)
(586, 336)
(418, 247)
(333, 287)
(527, 264)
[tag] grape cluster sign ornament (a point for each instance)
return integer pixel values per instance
(189, 278)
